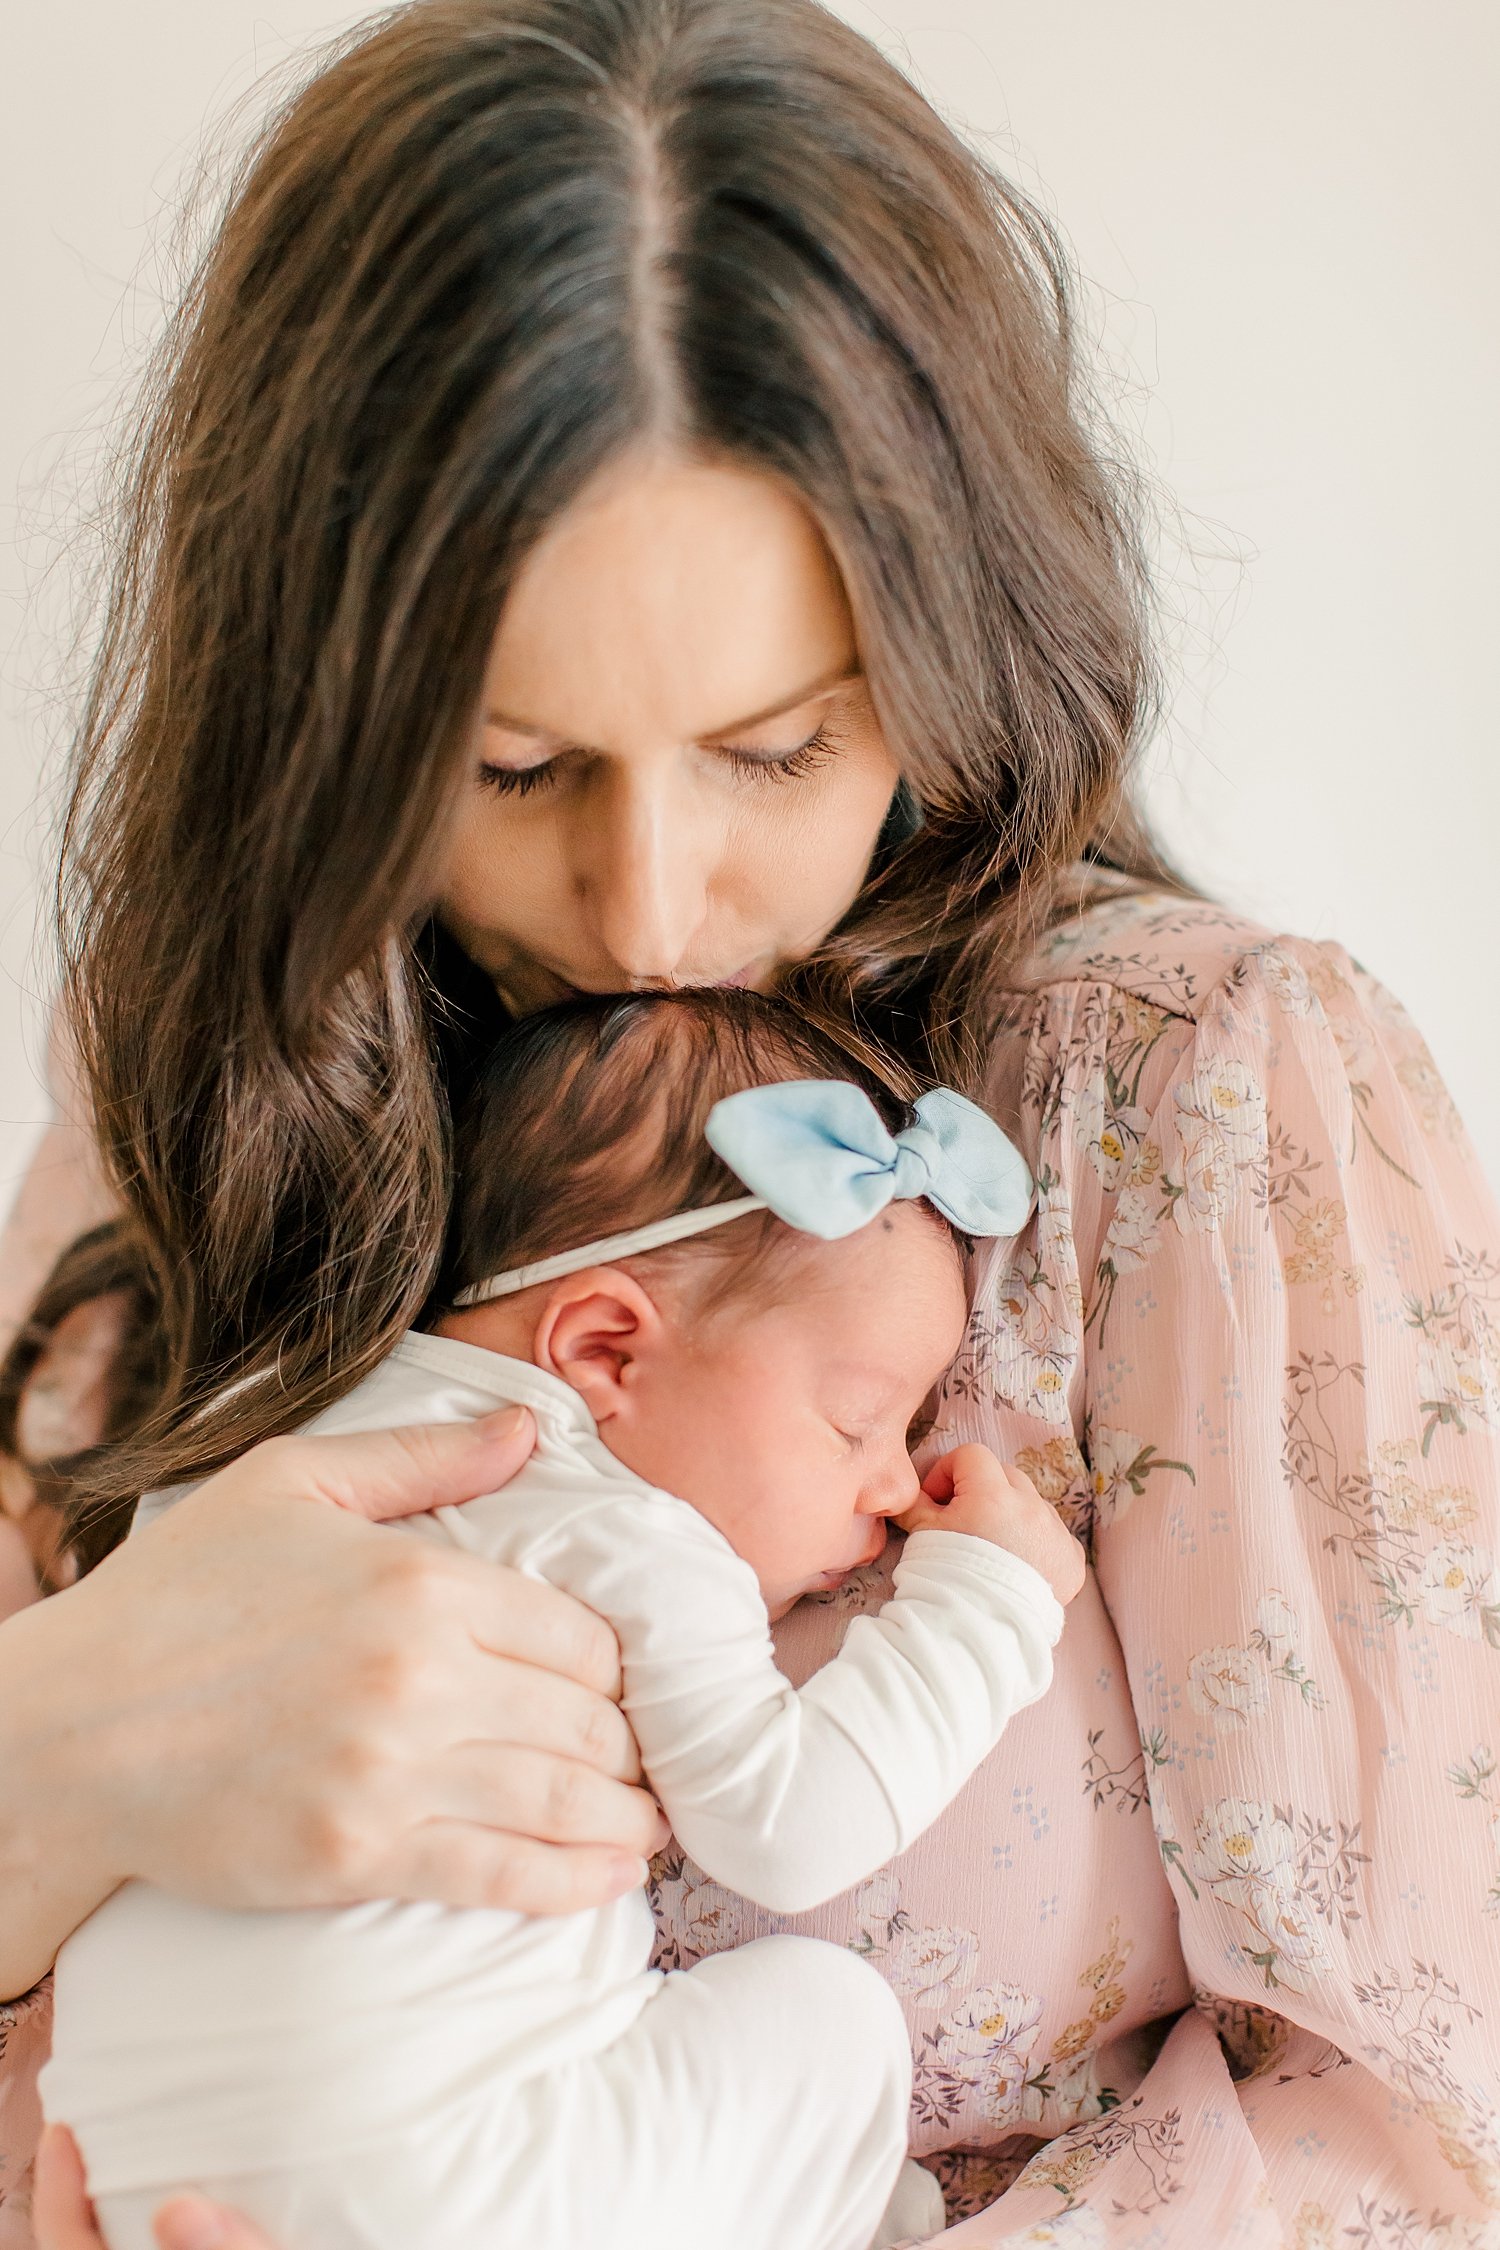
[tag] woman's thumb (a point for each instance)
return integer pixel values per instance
(188, 2222)
(384, 1473)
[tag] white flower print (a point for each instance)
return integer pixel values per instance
(1275, 1638)
(1221, 1122)
(1227, 1685)
(1111, 1137)
(1076, 2090)
(1135, 1230)
(1462, 2234)
(1457, 1379)
(1079, 2229)
(1239, 1842)
(1288, 981)
(931, 1965)
(1113, 1454)
(1287, 1923)
(1223, 1101)
(1276, 1622)
(987, 2044)
(1457, 1589)
(878, 1900)
(701, 1916)
(1034, 1345)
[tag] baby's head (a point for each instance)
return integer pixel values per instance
(767, 1377)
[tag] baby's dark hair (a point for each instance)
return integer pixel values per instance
(588, 1119)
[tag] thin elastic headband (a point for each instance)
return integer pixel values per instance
(656, 1236)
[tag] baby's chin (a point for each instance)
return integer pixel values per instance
(778, 1605)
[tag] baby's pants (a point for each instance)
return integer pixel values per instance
(758, 2102)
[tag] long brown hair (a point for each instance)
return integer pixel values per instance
(490, 245)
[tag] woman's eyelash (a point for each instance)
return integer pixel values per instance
(791, 765)
(749, 765)
(517, 781)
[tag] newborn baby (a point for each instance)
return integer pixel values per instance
(722, 1264)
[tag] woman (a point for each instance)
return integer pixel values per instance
(618, 515)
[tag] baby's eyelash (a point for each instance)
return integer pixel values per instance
(747, 765)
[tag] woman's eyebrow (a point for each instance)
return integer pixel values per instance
(821, 686)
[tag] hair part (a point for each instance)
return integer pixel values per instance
(489, 247)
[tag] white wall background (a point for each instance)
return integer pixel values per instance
(1286, 217)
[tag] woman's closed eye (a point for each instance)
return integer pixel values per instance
(745, 764)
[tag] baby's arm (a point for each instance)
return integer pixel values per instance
(792, 1796)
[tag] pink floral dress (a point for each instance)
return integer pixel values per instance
(1208, 1953)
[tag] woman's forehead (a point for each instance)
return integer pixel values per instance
(677, 598)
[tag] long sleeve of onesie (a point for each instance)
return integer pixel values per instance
(792, 1795)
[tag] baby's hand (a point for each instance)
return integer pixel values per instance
(971, 1490)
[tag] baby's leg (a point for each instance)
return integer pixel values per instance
(759, 2102)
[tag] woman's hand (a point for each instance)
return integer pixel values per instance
(64, 2218)
(971, 1489)
(265, 1701)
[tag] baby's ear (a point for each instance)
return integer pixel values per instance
(598, 1329)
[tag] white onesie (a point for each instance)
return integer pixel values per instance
(402, 2076)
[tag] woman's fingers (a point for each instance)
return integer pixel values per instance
(513, 1701)
(191, 2222)
(61, 2213)
(461, 1865)
(63, 2217)
(535, 1623)
(385, 1473)
(557, 1800)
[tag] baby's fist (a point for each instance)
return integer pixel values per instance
(971, 1490)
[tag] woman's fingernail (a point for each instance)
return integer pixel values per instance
(506, 1422)
(626, 1873)
(188, 2223)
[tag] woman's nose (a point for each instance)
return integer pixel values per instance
(644, 868)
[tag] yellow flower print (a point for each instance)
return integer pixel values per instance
(1315, 1232)
(1147, 1165)
(1320, 1225)
(1312, 2228)
(1067, 2173)
(1103, 1978)
(1449, 1507)
(1132, 1019)
(1453, 2127)
(1056, 1468)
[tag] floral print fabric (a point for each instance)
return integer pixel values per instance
(1208, 1953)
(1250, 1346)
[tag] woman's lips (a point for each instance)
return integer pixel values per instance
(741, 979)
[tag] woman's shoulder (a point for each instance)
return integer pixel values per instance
(1167, 949)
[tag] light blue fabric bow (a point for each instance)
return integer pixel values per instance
(817, 1153)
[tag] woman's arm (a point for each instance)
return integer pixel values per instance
(261, 1703)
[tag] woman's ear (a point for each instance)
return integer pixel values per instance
(599, 1330)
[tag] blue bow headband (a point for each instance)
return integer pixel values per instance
(815, 1152)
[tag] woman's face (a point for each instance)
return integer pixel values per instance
(678, 777)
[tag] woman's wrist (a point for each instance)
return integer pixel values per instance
(54, 1868)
